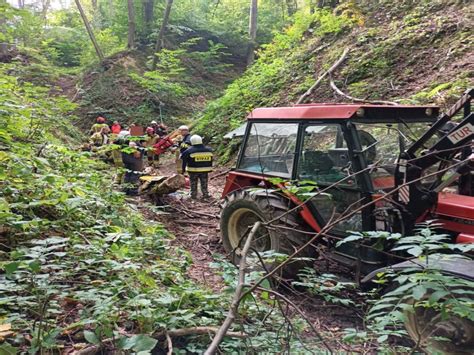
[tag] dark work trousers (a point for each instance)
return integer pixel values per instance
(193, 179)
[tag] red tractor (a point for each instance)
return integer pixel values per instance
(376, 168)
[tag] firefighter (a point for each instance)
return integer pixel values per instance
(183, 143)
(115, 128)
(99, 125)
(197, 160)
(151, 139)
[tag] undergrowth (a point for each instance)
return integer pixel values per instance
(79, 265)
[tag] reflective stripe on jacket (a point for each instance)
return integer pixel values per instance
(198, 159)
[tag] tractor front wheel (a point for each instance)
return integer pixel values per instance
(241, 209)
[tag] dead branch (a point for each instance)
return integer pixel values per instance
(355, 99)
(197, 331)
(170, 343)
(186, 221)
(237, 295)
(321, 77)
(220, 174)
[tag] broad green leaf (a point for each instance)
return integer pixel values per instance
(91, 337)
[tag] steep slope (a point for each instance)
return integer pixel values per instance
(192, 71)
(408, 52)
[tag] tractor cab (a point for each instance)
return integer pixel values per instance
(349, 151)
(353, 168)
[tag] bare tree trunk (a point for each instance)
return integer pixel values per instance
(131, 25)
(159, 40)
(148, 13)
(89, 31)
(21, 4)
(290, 7)
(312, 6)
(252, 31)
(44, 11)
(94, 5)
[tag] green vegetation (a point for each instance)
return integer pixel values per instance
(79, 263)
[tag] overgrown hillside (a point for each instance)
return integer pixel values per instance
(186, 77)
(405, 51)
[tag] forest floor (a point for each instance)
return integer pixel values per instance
(195, 226)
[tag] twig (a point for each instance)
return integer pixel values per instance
(185, 221)
(237, 295)
(170, 343)
(300, 312)
(220, 174)
(329, 71)
(197, 331)
(355, 99)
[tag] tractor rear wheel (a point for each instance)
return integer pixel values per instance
(241, 209)
(434, 332)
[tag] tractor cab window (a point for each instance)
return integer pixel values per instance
(324, 157)
(270, 149)
(382, 143)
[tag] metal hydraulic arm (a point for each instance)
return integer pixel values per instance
(455, 142)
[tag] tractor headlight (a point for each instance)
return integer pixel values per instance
(360, 112)
(429, 111)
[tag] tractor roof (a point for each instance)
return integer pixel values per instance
(345, 111)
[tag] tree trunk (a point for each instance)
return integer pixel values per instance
(131, 25)
(291, 7)
(89, 31)
(44, 11)
(159, 40)
(21, 4)
(148, 13)
(252, 31)
(312, 7)
(94, 5)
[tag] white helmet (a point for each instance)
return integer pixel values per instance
(195, 139)
(153, 122)
(183, 128)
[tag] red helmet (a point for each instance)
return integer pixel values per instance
(150, 130)
(100, 119)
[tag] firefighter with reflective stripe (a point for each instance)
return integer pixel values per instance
(183, 143)
(198, 163)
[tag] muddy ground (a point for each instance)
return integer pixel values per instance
(195, 226)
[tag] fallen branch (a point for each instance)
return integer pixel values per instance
(170, 344)
(197, 331)
(355, 99)
(185, 221)
(329, 71)
(186, 211)
(220, 174)
(237, 295)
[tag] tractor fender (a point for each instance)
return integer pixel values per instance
(459, 266)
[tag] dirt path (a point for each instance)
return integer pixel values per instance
(194, 225)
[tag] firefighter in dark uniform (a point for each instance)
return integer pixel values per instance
(183, 144)
(198, 163)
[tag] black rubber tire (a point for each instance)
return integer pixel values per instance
(427, 324)
(242, 208)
